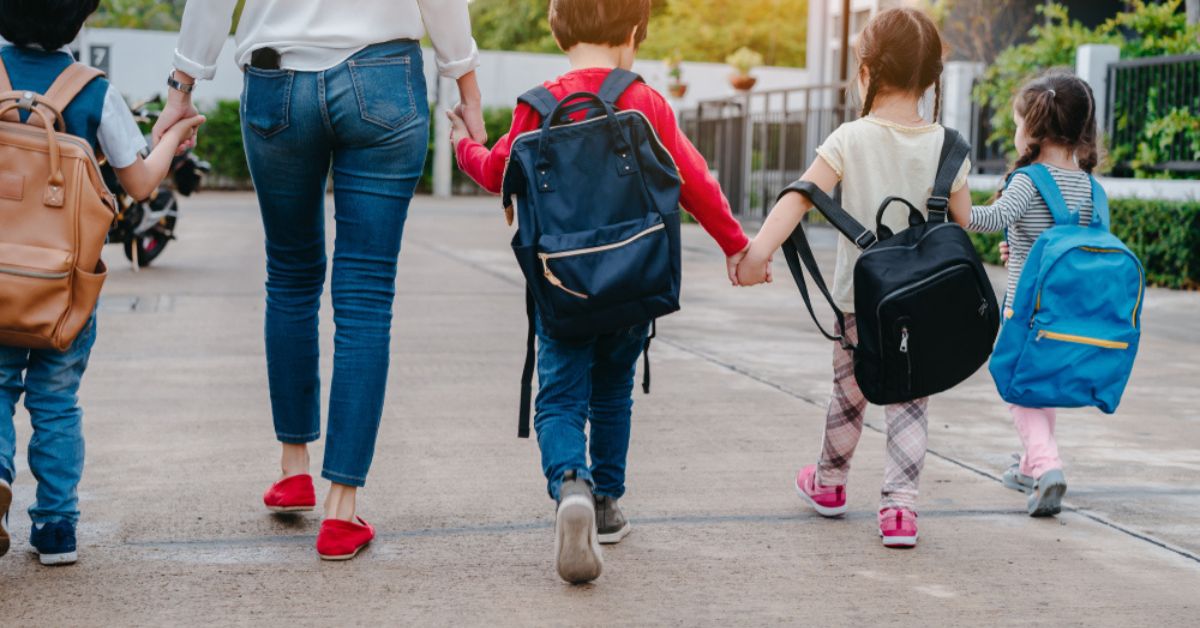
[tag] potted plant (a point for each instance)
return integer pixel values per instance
(742, 61)
(677, 87)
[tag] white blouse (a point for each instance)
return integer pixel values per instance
(313, 35)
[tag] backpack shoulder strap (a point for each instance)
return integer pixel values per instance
(540, 99)
(68, 85)
(954, 152)
(5, 82)
(1099, 205)
(838, 217)
(1048, 188)
(615, 84)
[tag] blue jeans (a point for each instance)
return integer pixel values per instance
(49, 380)
(580, 382)
(368, 118)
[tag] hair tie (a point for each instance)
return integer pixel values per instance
(1052, 93)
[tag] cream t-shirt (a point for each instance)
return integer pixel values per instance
(876, 159)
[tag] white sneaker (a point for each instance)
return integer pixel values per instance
(576, 543)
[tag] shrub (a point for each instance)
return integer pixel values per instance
(1165, 235)
(1145, 30)
(221, 144)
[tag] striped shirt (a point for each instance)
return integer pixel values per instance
(1022, 211)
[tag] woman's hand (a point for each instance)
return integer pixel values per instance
(470, 110)
(1004, 252)
(178, 107)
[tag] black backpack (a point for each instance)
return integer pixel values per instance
(926, 313)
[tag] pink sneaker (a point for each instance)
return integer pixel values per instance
(898, 527)
(828, 501)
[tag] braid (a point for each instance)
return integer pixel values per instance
(872, 90)
(1030, 156)
(937, 99)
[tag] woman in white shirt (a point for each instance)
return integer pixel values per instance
(330, 83)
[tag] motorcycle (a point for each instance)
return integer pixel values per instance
(145, 227)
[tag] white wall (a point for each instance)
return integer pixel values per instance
(140, 61)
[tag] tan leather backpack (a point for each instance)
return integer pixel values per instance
(55, 212)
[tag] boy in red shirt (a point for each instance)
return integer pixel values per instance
(592, 381)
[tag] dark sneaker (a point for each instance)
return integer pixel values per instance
(5, 502)
(1048, 491)
(576, 547)
(1017, 481)
(54, 542)
(611, 523)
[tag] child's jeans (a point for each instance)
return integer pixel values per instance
(50, 382)
(1035, 426)
(580, 382)
(907, 434)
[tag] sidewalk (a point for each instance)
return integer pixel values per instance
(180, 448)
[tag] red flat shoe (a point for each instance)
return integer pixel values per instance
(343, 540)
(291, 494)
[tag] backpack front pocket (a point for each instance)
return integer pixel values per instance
(621, 262)
(1063, 366)
(34, 289)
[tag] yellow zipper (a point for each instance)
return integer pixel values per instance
(557, 283)
(1083, 340)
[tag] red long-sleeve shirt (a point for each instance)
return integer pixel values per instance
(701, 195)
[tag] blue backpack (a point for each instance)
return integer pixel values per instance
(1076, 315)
(597, 205)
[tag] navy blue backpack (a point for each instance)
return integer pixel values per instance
(597, 205)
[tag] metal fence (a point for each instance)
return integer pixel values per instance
(759, 142)
(1143, 91)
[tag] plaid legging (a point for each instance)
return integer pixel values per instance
(907, 434)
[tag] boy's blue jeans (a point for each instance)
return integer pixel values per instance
(49, 380)
(586, 381)
(368, 118)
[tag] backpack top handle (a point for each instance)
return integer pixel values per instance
(53, 196)
(626, 163)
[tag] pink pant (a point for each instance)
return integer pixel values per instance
(1035, 426)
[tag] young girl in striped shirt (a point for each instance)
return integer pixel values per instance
(1056, 127)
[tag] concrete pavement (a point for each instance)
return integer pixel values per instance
(180, 447)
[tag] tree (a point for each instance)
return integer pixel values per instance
(142, 14)
(978, 30)
(701, 30)
(710, 30)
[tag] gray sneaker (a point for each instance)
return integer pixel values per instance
(1017, 481)
(1046, 498)
(5, 502)
(576, 546)
(610, 521)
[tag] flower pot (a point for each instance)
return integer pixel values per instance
(742, 83)
(677, 90)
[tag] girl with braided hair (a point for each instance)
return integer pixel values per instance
(1056, 127)
(891, 150)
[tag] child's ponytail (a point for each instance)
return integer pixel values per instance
(886, 50)
(1060, 108)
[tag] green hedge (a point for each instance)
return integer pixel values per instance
(221, 145)
(1165, 235)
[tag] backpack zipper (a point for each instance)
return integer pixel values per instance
(904, 350)
(557, 283)
(1082, 340)
(33, 274)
